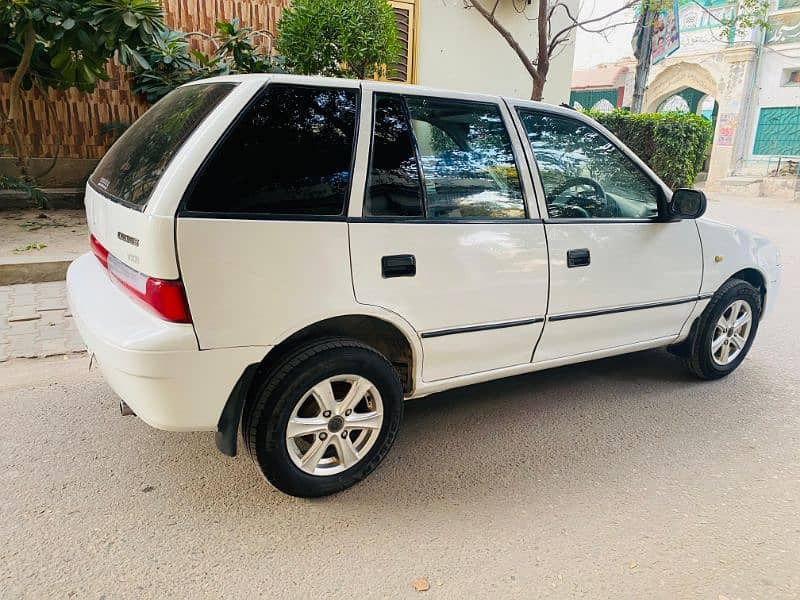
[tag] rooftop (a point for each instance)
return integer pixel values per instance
(599, 77)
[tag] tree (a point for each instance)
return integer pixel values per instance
(338, 38)
(63, 44)
(553, 36)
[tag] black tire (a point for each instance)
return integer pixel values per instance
(278, 392)
(698, 356)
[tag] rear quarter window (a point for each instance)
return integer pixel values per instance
(290, 153)
(130, 170)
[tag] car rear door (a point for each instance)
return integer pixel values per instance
(444, 237)
(619, 274)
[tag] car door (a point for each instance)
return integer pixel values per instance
(620, 275)
(444, 237)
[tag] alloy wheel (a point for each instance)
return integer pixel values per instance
(731, 332)
(334, 424)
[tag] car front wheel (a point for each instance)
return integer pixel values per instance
(324, 418)
(726, 330)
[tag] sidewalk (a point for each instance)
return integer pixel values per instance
(38, 245)
(35, 321)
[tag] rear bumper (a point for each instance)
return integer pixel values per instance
(155, 366)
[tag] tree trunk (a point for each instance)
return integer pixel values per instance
(15, 102)
(642, 43)
(543, 51)
(538, 75)
(538, 88)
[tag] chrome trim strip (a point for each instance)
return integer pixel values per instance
(484, 327)
(620, 309)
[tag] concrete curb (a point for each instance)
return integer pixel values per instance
(56, 198)
(27, 269)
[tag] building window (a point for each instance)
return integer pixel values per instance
(791, 77)
(778, 132)
(404, 15)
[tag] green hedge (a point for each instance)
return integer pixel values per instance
(673, 144)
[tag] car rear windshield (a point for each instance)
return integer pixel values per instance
(131, 168)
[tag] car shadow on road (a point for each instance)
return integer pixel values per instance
(486, 440)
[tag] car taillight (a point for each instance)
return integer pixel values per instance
(166, 297)
(99, 250)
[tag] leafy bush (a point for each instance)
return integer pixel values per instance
(673, 144)
(338, 38)
(35, 195)
(171, 62)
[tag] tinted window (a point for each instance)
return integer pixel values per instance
(131, 168)
(290, 154)
(468, 167)
(584, 175)
(394, 184)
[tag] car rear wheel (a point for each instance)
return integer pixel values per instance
(324, 418)
(726, 330)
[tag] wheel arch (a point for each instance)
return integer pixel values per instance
(752, 276)
(381, 334)
(755, 278)
(396, 343)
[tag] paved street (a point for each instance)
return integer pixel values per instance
(623, 478)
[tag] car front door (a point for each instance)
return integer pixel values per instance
(620, 275)
(444, 237)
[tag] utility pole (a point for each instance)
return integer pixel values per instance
(642, 43)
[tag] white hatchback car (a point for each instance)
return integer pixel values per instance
(297, 255)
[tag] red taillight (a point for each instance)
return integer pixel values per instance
(166, 297)
(99, 250)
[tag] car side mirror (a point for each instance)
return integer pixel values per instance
(687, 203)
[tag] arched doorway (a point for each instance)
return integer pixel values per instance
(685, 87)
(690, 81)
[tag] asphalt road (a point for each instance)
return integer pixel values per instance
(622, 478)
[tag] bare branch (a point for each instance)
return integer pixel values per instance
(576, 24)
(508, 37)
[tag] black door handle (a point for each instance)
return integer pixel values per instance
(398, 265)
(579, 257)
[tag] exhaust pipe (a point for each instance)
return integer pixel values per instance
(125, 410)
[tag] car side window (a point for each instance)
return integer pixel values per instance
(289, 154)
(394, 187)
(584, 175)
(441, 158)
(468, 166)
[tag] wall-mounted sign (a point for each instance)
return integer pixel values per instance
(726, 128)
(666, 33)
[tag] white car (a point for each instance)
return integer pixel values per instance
(295, 256)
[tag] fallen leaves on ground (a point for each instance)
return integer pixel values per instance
(33, 246)
(421, 584)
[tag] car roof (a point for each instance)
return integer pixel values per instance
(388, 86)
